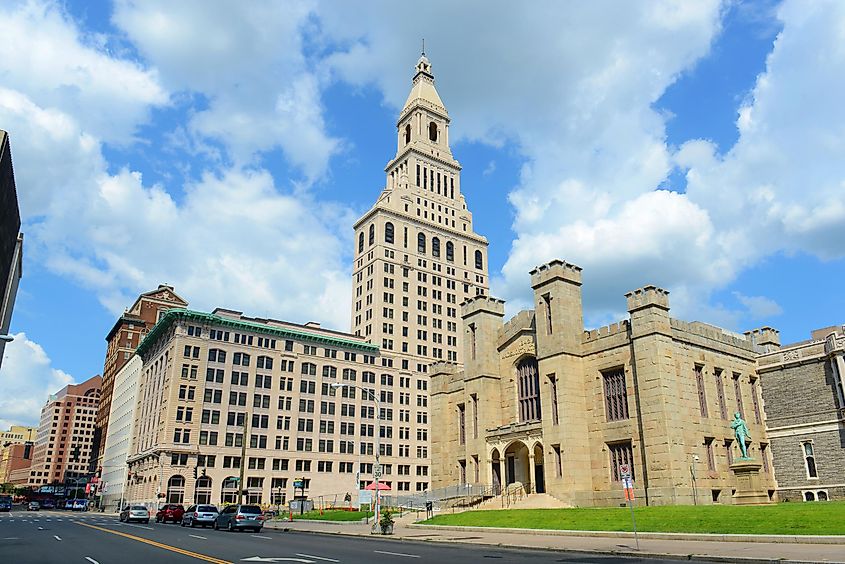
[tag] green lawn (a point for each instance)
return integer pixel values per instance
(827, 518)
(329, 515)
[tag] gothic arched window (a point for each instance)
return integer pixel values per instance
(435, 247)
(432, 131)
(388, 232)
(479, 261)
(528, 382)
(450, 251)
(361, 242)
(372, 233)
(421, 243)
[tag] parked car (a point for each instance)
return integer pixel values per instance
(5, 503)
(203, 515)
(170, 512)
(78, 505)
(33, 506)
(239, 517)
(135, 513)
(48, 504)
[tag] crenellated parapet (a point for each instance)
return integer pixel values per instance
(482, 304)
(555, 270)
(764, 339)
(618, 328)
(648, 296)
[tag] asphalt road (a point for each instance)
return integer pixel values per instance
(94, 538)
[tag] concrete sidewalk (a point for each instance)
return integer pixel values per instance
(613, 543)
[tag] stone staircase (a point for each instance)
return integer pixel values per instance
(530, 501)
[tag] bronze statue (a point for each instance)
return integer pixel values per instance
(741, 433)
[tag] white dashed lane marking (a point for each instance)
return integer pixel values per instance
(198, 537)
(396, 554)
(260, 537)
(317, 557)
(57, 537)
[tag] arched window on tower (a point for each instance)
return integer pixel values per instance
(388, 232)
(361, 242)
(450, 251)
(479, 260)
(407, 133)
(432, 131)
(421, 243)
(435, 247)
(372, 233)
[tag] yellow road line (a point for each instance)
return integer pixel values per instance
(196, 555)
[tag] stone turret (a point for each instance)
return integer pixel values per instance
(559, 318)
(649, 309)
(483, 322)
(765, 338)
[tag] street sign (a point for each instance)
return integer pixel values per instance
(298, 484)
(377, 472)
(625, 470)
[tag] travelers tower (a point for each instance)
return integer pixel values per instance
(417, 257)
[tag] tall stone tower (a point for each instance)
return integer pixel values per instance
(417, 257)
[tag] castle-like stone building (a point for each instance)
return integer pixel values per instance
(542, 403)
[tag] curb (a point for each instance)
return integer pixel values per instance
(769, 539)
(630, 553)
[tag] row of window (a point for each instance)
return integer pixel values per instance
(422, 247)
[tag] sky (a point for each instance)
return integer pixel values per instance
(226, 148)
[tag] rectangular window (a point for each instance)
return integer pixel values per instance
(615, 394)
(711, 459)
(462, 434)
(558, 461)
(809, 459)
(702, 397)
(720, 393)
(738, 394)
(620, 453)
(764, 456)
(729, 453)
(474, 415)
(755, 400)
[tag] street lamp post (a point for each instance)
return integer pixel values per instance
(377, 469)
(695, 459)
(6, 338)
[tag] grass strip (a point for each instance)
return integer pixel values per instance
(818, 518)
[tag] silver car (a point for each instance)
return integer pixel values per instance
(240, 517)
(135, 513)
(203, 515)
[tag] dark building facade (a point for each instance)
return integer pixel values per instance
(11, 240)
(804, 394)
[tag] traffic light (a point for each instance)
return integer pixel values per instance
(203, 472)
(76, 452)
(195, 472)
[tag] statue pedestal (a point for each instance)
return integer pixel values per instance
(748, 488)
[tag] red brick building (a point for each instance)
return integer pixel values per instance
(124, 337)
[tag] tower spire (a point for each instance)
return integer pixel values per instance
(423, 47)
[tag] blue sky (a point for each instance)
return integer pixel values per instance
(227, 150)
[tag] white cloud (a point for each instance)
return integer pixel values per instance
(759, 307)
(27, 378)
(47, 57)
(247, 61)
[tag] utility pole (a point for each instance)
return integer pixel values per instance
(243, 459)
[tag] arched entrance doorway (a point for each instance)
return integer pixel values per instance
(203, 494)
(539, 476)
(496, 466)
(176, 489)
(516, 464)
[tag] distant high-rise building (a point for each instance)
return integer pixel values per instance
(63, 444)
(11, 240)
(417, 256)
(15, 449)
(126, 334)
